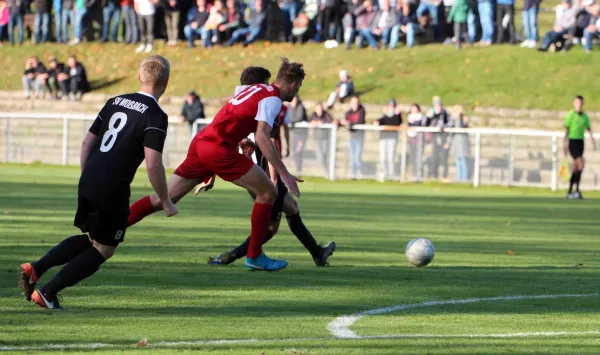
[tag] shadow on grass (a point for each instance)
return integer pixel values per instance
(102, 83)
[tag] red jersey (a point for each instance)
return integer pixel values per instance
(239, 117)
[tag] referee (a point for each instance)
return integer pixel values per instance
(576, 123)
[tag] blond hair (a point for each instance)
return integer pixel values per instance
(154, 70)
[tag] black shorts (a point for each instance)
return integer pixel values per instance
(576, 148)
(105, 223)
(277, 209)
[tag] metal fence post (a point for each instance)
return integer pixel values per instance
(65, 141)
(477, 159)
(554, 185)
(403, 151)
(332, 151)
(8, 135)
(420, 148)
(511, 160)
(194, 129)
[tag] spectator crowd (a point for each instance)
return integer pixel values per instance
(361, 23)
(58, 80)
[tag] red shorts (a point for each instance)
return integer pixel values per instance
(206, 159)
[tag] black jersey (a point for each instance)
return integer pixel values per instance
(125, 125)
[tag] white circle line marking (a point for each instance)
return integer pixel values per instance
(340, 327)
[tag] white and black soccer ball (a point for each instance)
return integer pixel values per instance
(420, 252)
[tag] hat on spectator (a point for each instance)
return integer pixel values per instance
(392, 102)
(588, 2)
(437, 100)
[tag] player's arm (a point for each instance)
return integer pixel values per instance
(86, 148)
(566, 142)
(272, 171)
(286, 135)
(592, 137)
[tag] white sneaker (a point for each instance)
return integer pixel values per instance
(74, 42)
(524, 44)
(141, 48)
(532, 44)
(148, 48)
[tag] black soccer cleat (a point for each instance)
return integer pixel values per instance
(223, 259)
(327, 251)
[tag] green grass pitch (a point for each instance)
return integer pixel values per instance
(159, 287)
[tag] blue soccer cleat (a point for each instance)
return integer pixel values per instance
(264, 263)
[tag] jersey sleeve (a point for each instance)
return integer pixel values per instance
(268, 109)
(102, 115)
(155, 131)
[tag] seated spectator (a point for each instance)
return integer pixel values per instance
(215, 19)
(172, 20)
(582, 20)
(145, 10)
(289, 10)
(356, 115)
(16, 9)
(305, 24)
(562, 26)
(365, 16)
(232, 21)
(505, 8)
(432, 7)
(343, 90)
(458, 15)
(320, 116)
(593, 29)
(459, 144)
(382, 25)
(255, 25)
(58, 78)
(78, 82)
(388, 139)
(192, 109)
(406, 22)
(4, 19)
(197, 17)
(34, 77)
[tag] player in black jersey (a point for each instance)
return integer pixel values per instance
(128, 129)
(284, 202)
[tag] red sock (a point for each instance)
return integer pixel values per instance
(261, 217)
(140, 209)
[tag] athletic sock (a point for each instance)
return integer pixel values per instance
(572, 182)
(303, 234)
(242, 249)
(577, 180)
(62, 253)
(261, 216)
(139, 210)
(82, 266)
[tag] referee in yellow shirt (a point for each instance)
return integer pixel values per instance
(576, 123)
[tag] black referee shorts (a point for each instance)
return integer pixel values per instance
(277, 209)
(106, 223)
(576, 148)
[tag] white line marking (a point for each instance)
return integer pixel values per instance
(340, 327)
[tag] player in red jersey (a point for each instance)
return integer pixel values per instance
(214, 151)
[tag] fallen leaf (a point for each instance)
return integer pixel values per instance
(511, 252)
(142, 343)
(6, 212)
(370, 70)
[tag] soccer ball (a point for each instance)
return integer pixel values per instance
(420, 252)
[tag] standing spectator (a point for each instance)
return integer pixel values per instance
(79, 84)
(130, 21)
(145, 10)
(297, 113)
(232, 22)
(79, 12)
(505, 17)
(331, 13)
(349, 20)
(111, 11)
(388, 139)
(16, 9)
(472, 20)
(458, 14)
(530, 22)
(382, 25)
(416, 118)
(460, 144)
(406, 22)
(255, 23)
(57, 7)
(289, 10)
(58, 79)
(42, 20)
(343, 90)
(172, 20)
(486, 18)
(192, 109)
(215, 18)
(438, 117)
(196, 19)
(4, 19)
(365, 16)
(433, 8)
(67, 18)
(564, 23)
(319, 117)
(446, 26)
(356, 115)
(593, 29)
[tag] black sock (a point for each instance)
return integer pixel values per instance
(577, 180)
(62, 253)
(572, 181)
(82, 266)
(303, 234)
(242, 250)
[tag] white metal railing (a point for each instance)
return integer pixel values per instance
(336, 154)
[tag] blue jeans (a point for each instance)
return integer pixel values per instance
(433, 12)
(551, 37)
(289, 11)
(368, 35)
(462, 169)
(57, 5)
(356, 148)
(111, 13)
(42, 26)
(385, 36)
(68, 17)
(249, 35)
(79, 15)
(472, 25)
(15, 19)
(411, 30)
(131, 24)
(530, 17)
(486, 18)
(191, 34)
(589, 37)
(207, 37)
